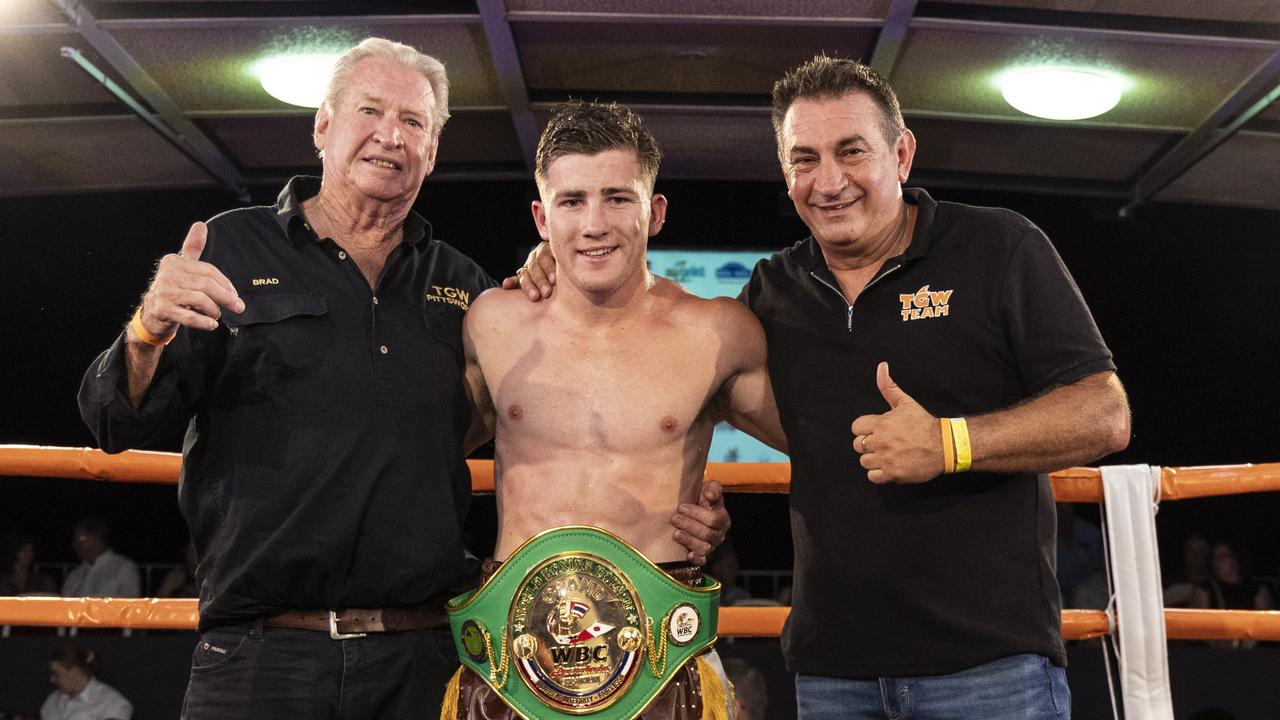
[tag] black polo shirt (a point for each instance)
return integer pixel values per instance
(977, 315)
(323, 465)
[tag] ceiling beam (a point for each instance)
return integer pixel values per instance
(1250, 98)
(889, 41)
(633, 18)
(506, 63)
(182, 132)
(1029, 184)
(1139, 28)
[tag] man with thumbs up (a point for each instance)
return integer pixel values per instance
(951, 348)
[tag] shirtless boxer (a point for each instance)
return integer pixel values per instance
(603, 397)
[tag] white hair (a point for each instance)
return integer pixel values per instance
(430, 68)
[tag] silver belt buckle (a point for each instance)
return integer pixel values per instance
(333, 629)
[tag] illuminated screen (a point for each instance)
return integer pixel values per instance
(714, 273)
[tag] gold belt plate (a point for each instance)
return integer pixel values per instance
(577, 627)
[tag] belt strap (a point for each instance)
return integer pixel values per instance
(353, 622)
(492, 626)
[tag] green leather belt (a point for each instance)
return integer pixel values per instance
(584, 623)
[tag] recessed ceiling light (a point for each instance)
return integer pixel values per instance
(296, 79)
(1062, 93)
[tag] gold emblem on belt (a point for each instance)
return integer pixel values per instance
(576, 632)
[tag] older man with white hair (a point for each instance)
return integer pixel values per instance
(313, 348)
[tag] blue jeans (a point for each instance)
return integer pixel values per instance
(249, 672)
(1019, 687)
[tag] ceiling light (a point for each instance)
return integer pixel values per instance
(1061, 93)
(296, 79)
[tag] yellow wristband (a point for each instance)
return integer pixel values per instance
(948, 447)
(145, 336)
(964, 452)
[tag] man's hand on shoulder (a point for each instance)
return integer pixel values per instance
(537, 278)
(903, 445)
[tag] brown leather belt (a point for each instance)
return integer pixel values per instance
(349, 623)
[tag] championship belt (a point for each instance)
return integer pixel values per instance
(586, 622)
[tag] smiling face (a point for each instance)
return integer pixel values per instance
(843, 175)
(598, 213)
(377, 138)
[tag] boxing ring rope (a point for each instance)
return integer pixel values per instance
(1075, 485)
(1070, 485)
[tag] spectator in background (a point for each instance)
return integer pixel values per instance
(102, 571)
(17, 576)
(78, 694)
(1231, 587)
(750, 695)
(180, 582)
(1194, 573)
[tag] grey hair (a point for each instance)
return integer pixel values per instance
(828, 78)
(430, 68)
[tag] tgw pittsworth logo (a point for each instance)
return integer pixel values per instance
(450, 295)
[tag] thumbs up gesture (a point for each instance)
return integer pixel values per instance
(186, 291)
(903, 445)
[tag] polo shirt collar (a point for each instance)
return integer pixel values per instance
(304, 187)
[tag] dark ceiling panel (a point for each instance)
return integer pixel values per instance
(1174, 85)
(1244, 170)
(211, 69)
(265, 142)
(1033, 151)
(34, 73)
(111, 153)
(672, 58)
(480, 137)
(1259, 11)
(676, 8)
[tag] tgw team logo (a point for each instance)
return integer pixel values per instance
(925, 303)
(451, 295)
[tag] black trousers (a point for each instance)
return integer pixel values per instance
(251, 672)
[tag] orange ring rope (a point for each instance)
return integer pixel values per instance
(1070, 485)
(763, 622)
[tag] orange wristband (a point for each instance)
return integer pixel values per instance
(145, 336)
(948, 447)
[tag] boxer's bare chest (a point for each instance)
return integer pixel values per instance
(629, 390)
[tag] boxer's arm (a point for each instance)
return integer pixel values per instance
(483, 418)
(748, 392)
